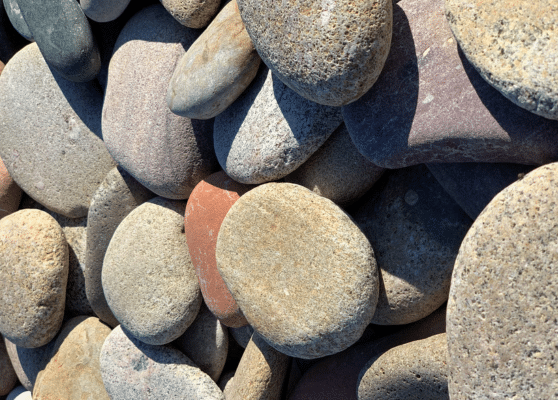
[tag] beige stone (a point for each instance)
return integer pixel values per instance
(192, 13)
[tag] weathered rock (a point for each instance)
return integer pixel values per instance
(8, 377)
(166, 153)
(449, 114)
(277, 249)
(216, 69)
(501, 310)
(415, 229)
(10, 193)
(14, 14)
(28, 363)
(103, 10)
(33, 277)
(269, 131)
(191, 13)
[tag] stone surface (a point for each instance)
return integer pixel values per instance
(132, 369)
(103, 10)
(28, 363)
(74, 371)
(62, 32)
(166, 153)
(14, 14)
(328, 52)
(503, 289)
(33, 276)
(277, 249)
(413, 371)
(431, 106)
(337, 171)
(10, 193)
(19, 393)
(216, 69)
(148, 279)
(41, 110)
(242, 335)
(415, 229)
(8, 377)
(115, 198)
(513, 45)
(191, 13)
(10, 40)
(270, 130)
(207, 206)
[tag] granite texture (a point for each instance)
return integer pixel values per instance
(192, 13)
(10, 192)
(28, 363)
(103, 10)
(16, 19)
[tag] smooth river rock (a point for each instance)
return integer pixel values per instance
(16, 18)
(103, 10)
(192, 13)
(10, 192)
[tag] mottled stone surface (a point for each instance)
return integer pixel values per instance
(216, 69)
(115, 198)
(503, 290)
(329, 52)
(431, 105)
(148, 279)
(50, 134)
(33, 276)
(166, 153)
(337, 171)
(103, 10)
(415, 229)
(28, 363)
(514, 46)
(14, 14)
(10, 193)
(132, 369)
(207, 206)
(302, 272)
(270, 130)
(192, 13)
(8, 377)
(413, 371)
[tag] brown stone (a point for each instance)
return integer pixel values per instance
(10, 193)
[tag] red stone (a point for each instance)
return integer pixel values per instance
(10, 193)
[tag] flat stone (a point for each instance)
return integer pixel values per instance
(413, 371)
(132, 369)
(148, 279)
(103, 10)
(62, 32)
(39, 110)
(16, 18)
(166, 153)
(328, 52)
(415, 229)
(116, 197)
(513, 45)
(33, 277)
(74, 371)
(192, 13)
(503, 290)
(7, 372)
(10, 192)
(337, 171)
(216, 69)
(270, 130)
(276, 250)
(207, 206)
(430, 105)
(28, 363)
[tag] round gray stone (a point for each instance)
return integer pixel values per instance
(148, 278)
(14, 14)
(192, 13)
(29, 362)
(270, 130)
(103, 10)
(302, 272)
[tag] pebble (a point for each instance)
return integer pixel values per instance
(8, 376)
(215, 70)
(16, 19)
(166, 153)
(513, 44)
(132, 369)
(103, 10)
(270, 130)
(40, 110)
(148, 279)
(503, 289)
(74, 371)
(275, 250)
(207, 206)
(28, 363)
(328, 52)
(34, 253)
(10, 192)
(192, 13)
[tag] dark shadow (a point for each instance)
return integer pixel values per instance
(10, 40)
(31, 360)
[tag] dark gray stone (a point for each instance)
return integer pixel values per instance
(10, 40)
(14, 14)
(103, 10)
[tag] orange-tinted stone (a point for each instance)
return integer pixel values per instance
(10, 193)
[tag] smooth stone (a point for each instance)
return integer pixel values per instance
(62, 32)
(10, 192)
(132, 369)
(33, 277)
(276, 250)
(19, 393)
(415, 229)
(328, 52)
(413, 371)
(14, 14)
(431, 106)
(206, 343)
(8, 376)
(192, 13)
(28, 363)
(270, 130)
(207, 206)
(474, 185)
(242, 335)
(501, 311)
(513, 45)
(10, 40)
(337, 171)
(117, 196)
(148, 279)
(103, 10)
(41, 111)
(166, 153)
(74, 371)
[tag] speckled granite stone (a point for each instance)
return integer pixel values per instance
(103, 10)
(501, 311)
(29, 362)
(192, 13)
(14, 14)
(10, 192)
